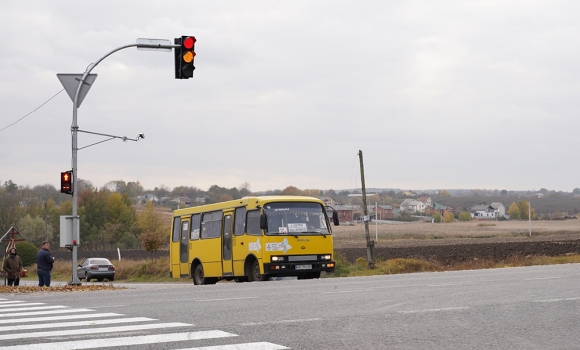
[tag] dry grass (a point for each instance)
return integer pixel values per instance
(393, 234)
(396, 266)
(156, 270)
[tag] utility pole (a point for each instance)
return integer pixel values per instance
(370, 244)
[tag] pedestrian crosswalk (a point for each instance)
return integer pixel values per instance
(28, 325)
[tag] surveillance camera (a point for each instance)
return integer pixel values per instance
(141, 136)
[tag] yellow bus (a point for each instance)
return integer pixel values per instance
(252, 239)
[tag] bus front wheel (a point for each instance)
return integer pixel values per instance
(198, 276)
(255, 274)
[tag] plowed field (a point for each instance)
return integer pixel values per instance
(460, 241)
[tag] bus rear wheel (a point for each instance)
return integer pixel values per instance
(198, 276)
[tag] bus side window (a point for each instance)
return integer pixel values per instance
(176, 229)
(253, 223)
(240, 221)
(195, 225)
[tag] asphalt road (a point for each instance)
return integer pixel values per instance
(512, 308)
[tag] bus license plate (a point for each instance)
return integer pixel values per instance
(303, 267)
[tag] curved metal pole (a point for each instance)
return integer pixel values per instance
(74, 129)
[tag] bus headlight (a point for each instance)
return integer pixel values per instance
(325, 257)
(277, 258)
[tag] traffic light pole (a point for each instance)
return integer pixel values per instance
(75, 129)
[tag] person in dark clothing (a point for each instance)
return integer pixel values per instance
(44, 262)
(12, 266)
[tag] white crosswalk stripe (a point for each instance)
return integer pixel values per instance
(16, 322)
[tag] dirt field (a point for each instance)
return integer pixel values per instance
(461, 241)
(443, 243)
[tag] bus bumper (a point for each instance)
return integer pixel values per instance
(298, 268)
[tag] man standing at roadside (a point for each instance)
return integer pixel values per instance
(44, 262)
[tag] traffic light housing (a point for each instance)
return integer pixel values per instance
(184, 55)
(66, 182)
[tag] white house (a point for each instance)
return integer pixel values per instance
(412, 205)
(492, 211)
(499, 208)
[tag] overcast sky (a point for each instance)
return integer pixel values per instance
(436, 94)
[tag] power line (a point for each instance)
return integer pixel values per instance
(32, 111)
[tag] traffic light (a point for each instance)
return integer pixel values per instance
(184, 55)
(66, 182)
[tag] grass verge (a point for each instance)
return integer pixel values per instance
(157, 270)
(344, 268)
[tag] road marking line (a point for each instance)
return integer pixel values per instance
(243, 346)
(31, 313)
(93, 330)
(105, 306)
(19, 305)
(123, 341)
(555, 300)
(278, 322)
(56, 318)
(542, 278)
(348, 291)
(227, 299)
(16, 309)
(11, 302)
(435, 310)
(74, 324)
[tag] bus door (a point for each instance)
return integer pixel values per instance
(184, 249)
(227, 263)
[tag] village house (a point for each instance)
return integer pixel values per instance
(486, 212)
(381, 212)
(412, 206)
(345, 213)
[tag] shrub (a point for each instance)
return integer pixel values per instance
(27, 252)
(464, 216)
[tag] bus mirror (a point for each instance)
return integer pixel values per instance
(335, 218)
(263, 222)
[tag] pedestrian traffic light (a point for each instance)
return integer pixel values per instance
(184, 55)
(66, 182)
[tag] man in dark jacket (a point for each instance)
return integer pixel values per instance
(44, 262)
(12, 267)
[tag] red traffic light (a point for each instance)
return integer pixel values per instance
(184, 56)
(189, 42)
(66, 182)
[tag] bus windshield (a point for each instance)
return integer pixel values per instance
(296, 219)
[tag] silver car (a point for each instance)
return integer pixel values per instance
(96, 268)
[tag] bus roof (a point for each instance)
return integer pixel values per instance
(250, 202)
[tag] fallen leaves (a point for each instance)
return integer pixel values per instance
(58, 288)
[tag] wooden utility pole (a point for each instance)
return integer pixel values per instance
(370, 244)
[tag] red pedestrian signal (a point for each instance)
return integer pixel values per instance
(184, 55)
(66, 182)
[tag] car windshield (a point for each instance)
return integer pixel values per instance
(99, 262)
(296, 219)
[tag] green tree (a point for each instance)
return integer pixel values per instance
(437, 217)
(27, 252)
(514, 212)
(33, 229)
(448, 217)
(154, 229)
(291, 191)
(464, 216)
